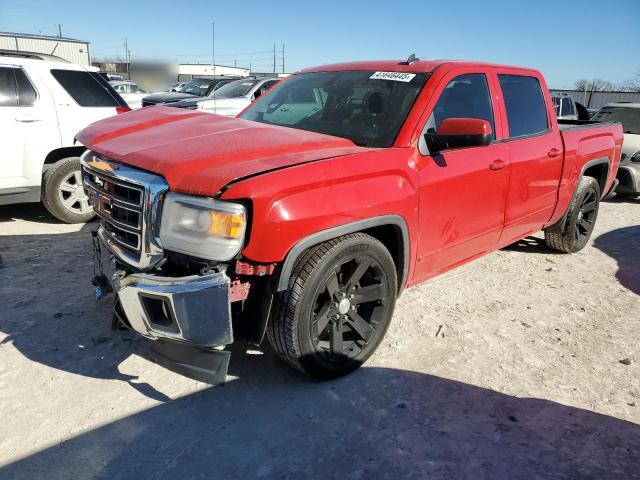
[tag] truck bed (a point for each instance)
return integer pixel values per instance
(588, 144)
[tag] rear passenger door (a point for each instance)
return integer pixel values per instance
(535, 153)
(82, 98)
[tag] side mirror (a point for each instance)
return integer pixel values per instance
(459, 133)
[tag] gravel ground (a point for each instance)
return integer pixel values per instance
(523, 364)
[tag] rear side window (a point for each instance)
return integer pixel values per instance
(8, 90)
(526, 112)
(26, 93)
(85, 88)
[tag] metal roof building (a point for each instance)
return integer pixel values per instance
(74, 51)
(598, 99)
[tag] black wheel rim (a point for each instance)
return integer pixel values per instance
(586, 216)
(349, 308)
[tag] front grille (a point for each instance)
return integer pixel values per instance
(127, 200)
(119, 205)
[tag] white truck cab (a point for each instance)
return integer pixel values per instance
(44, 102)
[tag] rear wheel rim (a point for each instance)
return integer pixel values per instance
(349, 309)
(586, 216)
(72, 195)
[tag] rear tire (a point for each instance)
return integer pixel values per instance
(337, 308)
(580, 221)
(62, 192)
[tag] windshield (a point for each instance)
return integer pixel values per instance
(366, 107)
(237, 88)
(197, 86)
(629, 117)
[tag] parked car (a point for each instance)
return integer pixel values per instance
(197, 87)
(131, 92)
(111, 77)
(629, 115)
(230, 99)
(175, 87)
(307, 215)
(592, 111)
(44, 102)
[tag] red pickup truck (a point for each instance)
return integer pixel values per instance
(307, 215)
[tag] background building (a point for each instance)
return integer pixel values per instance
(187, 71)
(74, 51)
(598, 99)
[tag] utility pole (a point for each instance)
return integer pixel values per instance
(126, 57)
(274, 58)
(60, 30)
(283, 58)
(213, 47)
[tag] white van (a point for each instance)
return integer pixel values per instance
(44, 103)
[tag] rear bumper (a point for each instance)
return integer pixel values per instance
(629, 178)
(193, 310)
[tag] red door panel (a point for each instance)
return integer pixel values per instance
(462, 203)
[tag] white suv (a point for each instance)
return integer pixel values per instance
(44, 102)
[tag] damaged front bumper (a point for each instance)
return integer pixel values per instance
(189, 319)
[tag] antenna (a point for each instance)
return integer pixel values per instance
(411, 59)
(283, 58)
(274, 58)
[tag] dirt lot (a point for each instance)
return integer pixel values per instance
(509, 367)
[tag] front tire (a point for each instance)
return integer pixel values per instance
(337, 308)
(580, 221)
(62, 192)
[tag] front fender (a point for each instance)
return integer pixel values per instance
(292, 204)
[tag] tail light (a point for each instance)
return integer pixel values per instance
(122, 110)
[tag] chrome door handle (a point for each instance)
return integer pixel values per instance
(26, 118)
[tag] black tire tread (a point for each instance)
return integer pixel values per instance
(561, 241)
(281, 330)
(47, 192)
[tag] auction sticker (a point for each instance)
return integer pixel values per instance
(395, 76)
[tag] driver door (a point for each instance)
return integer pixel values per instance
(462, 191)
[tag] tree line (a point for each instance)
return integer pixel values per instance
(600, 85)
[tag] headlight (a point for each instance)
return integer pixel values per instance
(202, 227)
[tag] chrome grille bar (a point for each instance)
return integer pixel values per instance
(128, 202)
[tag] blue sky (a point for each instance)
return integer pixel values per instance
(566, 40)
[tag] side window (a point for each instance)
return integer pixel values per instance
(567, 107)
(8, 89)
(526, 111)
(86, 90)
(26, 93)
(466, 96)
(269, 84)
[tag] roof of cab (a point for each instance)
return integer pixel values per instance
(418, 66)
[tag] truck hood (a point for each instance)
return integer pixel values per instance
(167, 97)
(199, 153)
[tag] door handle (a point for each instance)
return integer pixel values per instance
(554, 152)
(497, 165)
(27, 118)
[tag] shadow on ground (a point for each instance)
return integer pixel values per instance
(623, 245)
(270, 422)
(531, 244)
(34, 212)
(375, 423)
(46, 316)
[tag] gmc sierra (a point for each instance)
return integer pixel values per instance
(305, 217)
